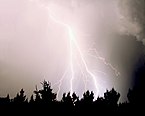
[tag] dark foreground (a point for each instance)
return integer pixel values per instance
(45, 103)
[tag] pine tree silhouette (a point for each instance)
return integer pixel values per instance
(31, 100)
(46, 93)
(88, 97)
(37, 96)
(111, 97)
(45, 102)
(20, 98)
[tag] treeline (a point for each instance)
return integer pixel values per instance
(44, 102)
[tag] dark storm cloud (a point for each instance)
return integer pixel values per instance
(131, 40)
(134, 13)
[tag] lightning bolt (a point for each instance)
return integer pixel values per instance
(74, 44)
(73, 41)
(59, 83)
(97, 56)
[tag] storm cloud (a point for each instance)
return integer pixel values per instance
(33, 47)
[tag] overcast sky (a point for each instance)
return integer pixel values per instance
(34, 47)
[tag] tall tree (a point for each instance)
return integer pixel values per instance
(46, 92)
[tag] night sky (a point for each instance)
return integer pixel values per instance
(75, 44)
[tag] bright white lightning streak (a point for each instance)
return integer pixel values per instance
(83, 75)
(71, 57)
(59, 83)
(74, 43)
(97, 56)
(85, 64)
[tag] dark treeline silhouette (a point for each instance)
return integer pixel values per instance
(44, 101)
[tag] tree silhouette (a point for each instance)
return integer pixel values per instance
(5, 100)
(46, 93)
(88, 97)
(100, 102)
(31, 100)
(67, 98)
(136, 95)
(75, 98)
(67, 101)
(37, 96)
(45, 102)
(20, 98)
(111, 97)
